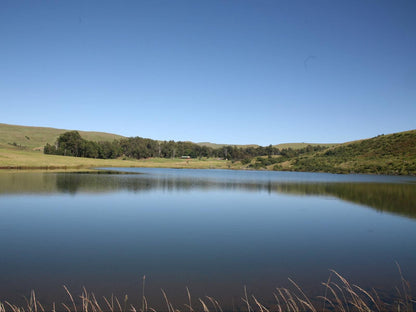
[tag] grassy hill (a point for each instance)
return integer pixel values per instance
(384, 154)
(214, 145)
(296, 146)
(35, 138)
(393, 154)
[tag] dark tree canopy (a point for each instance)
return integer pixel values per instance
(72, 144)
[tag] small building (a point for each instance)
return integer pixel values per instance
(186, 157)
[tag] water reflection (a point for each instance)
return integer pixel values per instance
(213, 231)
(397, 198)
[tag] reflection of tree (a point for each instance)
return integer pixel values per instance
(388, 197)
(394, 198)
(68, 183)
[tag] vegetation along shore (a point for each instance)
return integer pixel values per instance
(36, 148)
(338, 295)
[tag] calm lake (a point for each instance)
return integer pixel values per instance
(213, 231)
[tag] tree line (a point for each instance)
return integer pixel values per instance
(72, 144)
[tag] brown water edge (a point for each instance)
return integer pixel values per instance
(61, 169)
(8, 169)
(337, 294)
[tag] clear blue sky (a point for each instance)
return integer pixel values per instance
(236, 72)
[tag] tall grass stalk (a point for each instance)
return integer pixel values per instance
(339, 296)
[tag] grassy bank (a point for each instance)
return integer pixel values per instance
(15, 158)
(338, 295)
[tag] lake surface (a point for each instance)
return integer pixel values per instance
(213, 231)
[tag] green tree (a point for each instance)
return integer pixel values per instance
(70, 144)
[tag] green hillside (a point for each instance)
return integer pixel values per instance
(35, 138)
(384, 154)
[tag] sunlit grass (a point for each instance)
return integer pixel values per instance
(21, 159)
(37, 137)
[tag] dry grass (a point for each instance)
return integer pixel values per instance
(339, 296)
(37, 137)
(15, 158)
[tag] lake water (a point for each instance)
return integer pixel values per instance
(213, 231)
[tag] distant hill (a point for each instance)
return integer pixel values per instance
(385, 154)
(214, 145)
(302, 145)
(279, 146)
(36, 137)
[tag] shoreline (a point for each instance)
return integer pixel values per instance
(17, 160)
(94, 169)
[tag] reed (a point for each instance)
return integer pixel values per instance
(339, 296)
